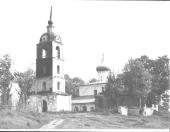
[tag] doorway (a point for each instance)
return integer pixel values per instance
(44, 107)
(84, 108)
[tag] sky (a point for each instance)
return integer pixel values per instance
(119, 29)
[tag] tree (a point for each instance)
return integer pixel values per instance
(78, 81)
(147, 62)
(115, 90)
(161, 75)
(159, 69)
(5, 78)
(137, 79)
(25, 81)
(92, 80)
(72, 84)
(69, 88)
(143, 78)
(110, 92)
(165, 101)
(161, 79)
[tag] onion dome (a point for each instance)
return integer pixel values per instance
(102, 68)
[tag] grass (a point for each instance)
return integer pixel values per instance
(113, 121)
(23, 120)
(30, 120)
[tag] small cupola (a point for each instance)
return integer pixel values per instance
(102, 67)
(102, 72)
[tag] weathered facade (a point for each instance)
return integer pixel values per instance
(15, 95)
(48, 92)
(49, 102)
(86, 100)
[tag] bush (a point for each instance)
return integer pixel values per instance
(114, 110)
(134, 111)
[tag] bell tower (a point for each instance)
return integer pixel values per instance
(49, 62)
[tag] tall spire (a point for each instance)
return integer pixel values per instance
(50, 23)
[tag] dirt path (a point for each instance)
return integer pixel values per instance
(52, 124)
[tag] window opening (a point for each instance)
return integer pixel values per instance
(58, 69)
(58, 52)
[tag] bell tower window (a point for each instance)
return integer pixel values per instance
(44, 53)
(58, 52)
(58, 69)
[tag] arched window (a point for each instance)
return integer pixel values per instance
(58, 69)
(58, 85)
(44, 86)
(58, 52)
(44, 53)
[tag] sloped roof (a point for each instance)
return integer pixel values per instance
(83, 99)
(95, 83)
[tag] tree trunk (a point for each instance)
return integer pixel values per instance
(25, 100)
(116, 101)
(140, 102)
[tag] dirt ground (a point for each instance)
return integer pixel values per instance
(30, 120)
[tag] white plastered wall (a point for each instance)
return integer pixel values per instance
(102, 76)
(63, 103)
(15, 96)
(89, 89)
(58, 62)
(34, 103)
(62, 85)
(55, 103)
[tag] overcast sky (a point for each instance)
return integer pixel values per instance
(119, 29)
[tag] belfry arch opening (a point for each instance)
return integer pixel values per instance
(44, 53)
(58, 52)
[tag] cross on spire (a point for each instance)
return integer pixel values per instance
(102, 58)
(50, 23)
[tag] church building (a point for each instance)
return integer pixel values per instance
(48, 91)
(88, 93)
